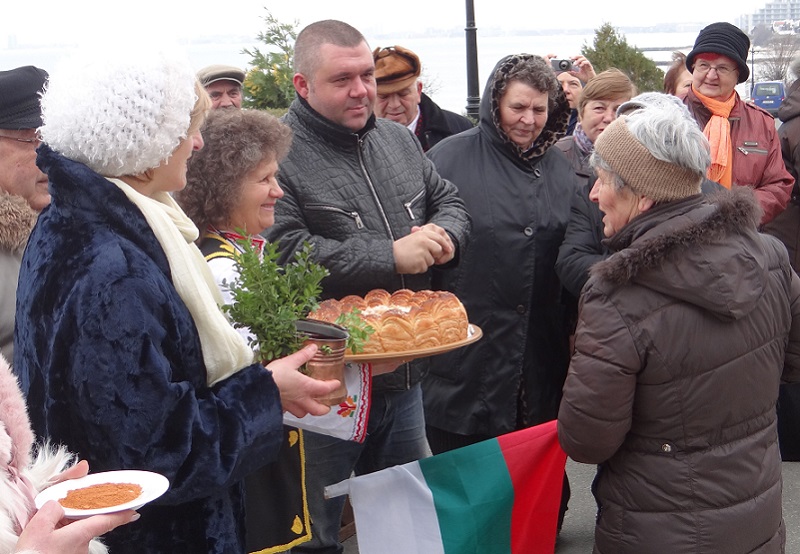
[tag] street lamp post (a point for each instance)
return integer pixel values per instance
(752, 69)
(473, 96)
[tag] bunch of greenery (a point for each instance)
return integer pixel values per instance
(268, 298)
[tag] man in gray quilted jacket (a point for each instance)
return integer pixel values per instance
(378, 215)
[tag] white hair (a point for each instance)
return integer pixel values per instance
(664, 126)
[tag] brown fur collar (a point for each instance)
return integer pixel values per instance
(673, 228)
(16, 222)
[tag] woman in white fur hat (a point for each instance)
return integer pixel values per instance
(121, 347)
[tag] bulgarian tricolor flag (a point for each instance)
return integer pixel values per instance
(498, 496)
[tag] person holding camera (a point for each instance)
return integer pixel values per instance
(518, 188)
(573, 74)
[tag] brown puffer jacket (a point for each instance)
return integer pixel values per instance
(681, 342)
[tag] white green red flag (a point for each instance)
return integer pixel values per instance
(498, 496)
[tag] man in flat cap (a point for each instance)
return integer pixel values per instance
(400, 98)
(23, 187)
(745, 150)
(223, 84)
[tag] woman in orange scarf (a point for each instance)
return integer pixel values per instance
(745, 150)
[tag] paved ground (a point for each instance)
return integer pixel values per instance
(577, 534)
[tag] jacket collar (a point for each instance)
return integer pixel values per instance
(676, 227)
(699, 253)
(17, 219)
(324, 127)
(75, 190)
(434, 118)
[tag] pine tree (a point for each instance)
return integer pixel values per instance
(268, 84)
(612, 50)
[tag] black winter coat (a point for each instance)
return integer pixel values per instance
(438, 124)
(506, 279)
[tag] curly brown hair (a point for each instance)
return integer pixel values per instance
(236, 142)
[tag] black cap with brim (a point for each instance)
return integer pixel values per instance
(20, 96)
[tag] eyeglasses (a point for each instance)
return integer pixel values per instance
(35, 140)
(722, 70)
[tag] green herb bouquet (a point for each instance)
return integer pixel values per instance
(269, 298)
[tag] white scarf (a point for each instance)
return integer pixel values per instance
(224, 350)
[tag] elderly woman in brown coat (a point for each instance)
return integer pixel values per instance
(683, 337)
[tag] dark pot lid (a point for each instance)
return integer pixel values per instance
(322, 328)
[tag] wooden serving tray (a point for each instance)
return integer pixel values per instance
(473, 334)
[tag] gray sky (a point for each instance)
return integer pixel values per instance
(59, 21)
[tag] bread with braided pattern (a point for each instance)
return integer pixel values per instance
(404, 320)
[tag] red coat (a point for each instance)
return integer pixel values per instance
(757, 160)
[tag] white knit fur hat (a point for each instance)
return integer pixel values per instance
(119, 112)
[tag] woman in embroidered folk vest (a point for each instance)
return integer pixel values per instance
(230, 194)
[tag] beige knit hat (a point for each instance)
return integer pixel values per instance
(647, 175)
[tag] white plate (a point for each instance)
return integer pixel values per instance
(153, 485)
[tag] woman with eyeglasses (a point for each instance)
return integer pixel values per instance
(745, 150)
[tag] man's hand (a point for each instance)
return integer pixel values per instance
(49, 533)
(425, 246)
(298, 391)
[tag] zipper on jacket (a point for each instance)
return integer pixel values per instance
(748, 151)
(373, 191)
(353, 215)
(385, 222)
(413, 201)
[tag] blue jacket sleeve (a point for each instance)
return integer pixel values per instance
(133, 394)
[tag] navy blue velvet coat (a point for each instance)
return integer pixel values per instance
(110, 360)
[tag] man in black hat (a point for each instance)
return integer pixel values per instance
(400, 98)
(23, 187)
(745, 150)
(223, 83)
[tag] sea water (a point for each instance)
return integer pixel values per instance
(443, 55)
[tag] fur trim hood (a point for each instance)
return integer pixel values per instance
(17, 219)
(704, 250)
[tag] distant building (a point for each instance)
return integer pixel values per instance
(786, 13)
